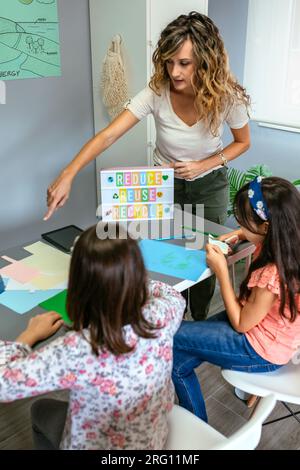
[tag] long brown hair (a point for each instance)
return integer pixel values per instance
(215, 87)
(282, 241)
(107, 290)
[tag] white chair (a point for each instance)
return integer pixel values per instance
(283, 383)
(187, 432)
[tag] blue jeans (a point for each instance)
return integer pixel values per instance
(214, 341)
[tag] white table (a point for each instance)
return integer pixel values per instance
(12, 324)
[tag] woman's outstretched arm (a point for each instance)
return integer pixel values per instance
(59, 190)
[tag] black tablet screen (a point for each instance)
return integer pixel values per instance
(63, 238)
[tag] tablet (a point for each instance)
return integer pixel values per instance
(63, 238)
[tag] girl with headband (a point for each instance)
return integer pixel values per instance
(260, 329)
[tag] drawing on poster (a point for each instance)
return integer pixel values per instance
(29, 39)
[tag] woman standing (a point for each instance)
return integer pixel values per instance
(191, 94)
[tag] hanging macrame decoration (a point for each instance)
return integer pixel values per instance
(113, 79)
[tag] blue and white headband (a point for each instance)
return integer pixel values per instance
(256, 199)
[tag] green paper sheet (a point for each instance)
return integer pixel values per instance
(58, 304)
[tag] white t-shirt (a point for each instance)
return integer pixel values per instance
(175, 140)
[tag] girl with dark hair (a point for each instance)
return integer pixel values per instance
(260, 329)
(115, 360)
(191, 95)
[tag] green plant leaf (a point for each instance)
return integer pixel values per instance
(296, 183)
(236, 181)
(257, 170)
(238, 178)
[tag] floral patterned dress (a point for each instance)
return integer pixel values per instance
(116, 402)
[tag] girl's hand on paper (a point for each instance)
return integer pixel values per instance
(40, 327)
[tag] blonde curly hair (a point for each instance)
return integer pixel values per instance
(215, 87)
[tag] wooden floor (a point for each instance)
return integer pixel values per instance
(225, 412)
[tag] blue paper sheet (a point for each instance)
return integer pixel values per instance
(173, 260)
(22, 301)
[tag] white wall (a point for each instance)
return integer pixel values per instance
(163, 12)
(277, 149)
(127, 18)
(43, 125)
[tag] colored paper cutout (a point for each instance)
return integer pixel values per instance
(173, 260)
(52, 263)
(21, 301)
(24, 292)
(58, 304)
(19, 270)
(14, 285)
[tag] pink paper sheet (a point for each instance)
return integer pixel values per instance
(18, 271)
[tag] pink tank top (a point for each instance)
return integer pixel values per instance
(275, 338)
